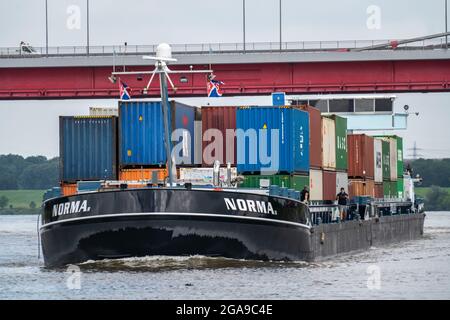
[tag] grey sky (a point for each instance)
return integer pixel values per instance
(31, 127)
(199, 21)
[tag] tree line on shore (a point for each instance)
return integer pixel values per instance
(434, 172)
(35, 172)
(38, 172)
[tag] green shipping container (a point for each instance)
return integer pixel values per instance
(299, 182)
(252, 181)
(399, 187)
(387, 189)
(296, 182)
(385, 160)
(400, 168)
(394, 189)
(341, 143)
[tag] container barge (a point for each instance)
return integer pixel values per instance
(118, 222)
(212, 212)
(128, 207)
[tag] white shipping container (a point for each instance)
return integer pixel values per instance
(198, 151)
(378, 154)
(99, 111)
(315, 184)
(328, 143)
(341, 181)
(203, 176)
(393, 159)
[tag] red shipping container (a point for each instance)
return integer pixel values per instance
(360, 156)
(315, 136)
(361, 188)
(329, 185)
(379, 193)
(220, 118)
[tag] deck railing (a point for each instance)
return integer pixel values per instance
(26, 50)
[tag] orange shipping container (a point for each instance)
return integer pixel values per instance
(68, 189)
(329, 185)
(222, 119)
(315, 136)
(142, 174)
(360, 156)
(379, 193)
(361, 188)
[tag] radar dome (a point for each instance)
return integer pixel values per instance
(164, 51)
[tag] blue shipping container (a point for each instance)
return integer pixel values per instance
(184, 119)
(141, 133)
(88, 148)
(292, 151)
(85, 186)
(52, 193)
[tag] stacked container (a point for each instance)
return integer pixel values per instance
(141, 127)
(273, 141)
(400, 164)
(329, 185)
(400, 167)
(386, 160)
(143, 174)
(341, 143)
(328, 144)
(315, 150)
(334, 156)
(361, 167)
(342, 181)
(68, 189)
(222, 119)
(88, 148)
(316, 184)
(378, 167)
(101, 111)
(361, 156)
(361, 188)
(378, 190)
(315, 136)
(393, 175)
(259, 127)
(296, 182)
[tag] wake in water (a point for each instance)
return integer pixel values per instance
(197, 262)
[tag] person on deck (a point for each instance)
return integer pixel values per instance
(304, 194)
(342, 198)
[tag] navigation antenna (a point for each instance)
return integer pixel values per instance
(162, 58)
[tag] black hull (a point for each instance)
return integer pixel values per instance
(133, 223)
(178, 222)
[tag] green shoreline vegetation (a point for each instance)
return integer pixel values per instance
(20, 201)
(23, 182)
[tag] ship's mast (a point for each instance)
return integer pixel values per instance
(163, 56)
(166, 114)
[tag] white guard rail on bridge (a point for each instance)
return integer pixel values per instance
(27, 50)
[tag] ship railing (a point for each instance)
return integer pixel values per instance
(377, 207)
(325, 213)
(321, 213)
(219, 48)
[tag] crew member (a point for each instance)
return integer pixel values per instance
(304, 194)
(342, 198)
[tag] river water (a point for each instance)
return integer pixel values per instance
(412, 270)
